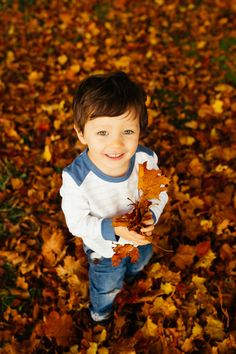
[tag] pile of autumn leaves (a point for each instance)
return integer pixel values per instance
(184, 301)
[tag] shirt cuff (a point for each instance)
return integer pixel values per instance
(153, 216)
(108, 230)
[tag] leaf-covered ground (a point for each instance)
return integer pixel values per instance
(183, 52)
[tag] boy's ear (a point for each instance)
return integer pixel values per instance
(80, 136)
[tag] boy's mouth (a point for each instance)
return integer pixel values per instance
(115, 156)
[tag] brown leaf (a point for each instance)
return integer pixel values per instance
(184, 256)
(125, 251)
(59, 327)
(53, 247)
(133, 220)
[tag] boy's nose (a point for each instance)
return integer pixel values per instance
(117, 140)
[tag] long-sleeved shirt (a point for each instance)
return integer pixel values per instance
(91, 198)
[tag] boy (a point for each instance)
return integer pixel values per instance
(109, 112)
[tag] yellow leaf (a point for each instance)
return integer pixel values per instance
(35, 76)
(17, 183)
(73, 350)
(12, 133)
(187, 346)
(191, 124)
(11, 30)
(206, 224)
(57, 124)
(168, 288)
(186, 140)
(123, 62)
(47, 153)
(159, 2)
(21, 283)
(89, 63)
(166, 307)
(214, 133)
(195, 167)
(214, 328)
(92, 348)
(222, 226)
(151, 115)
(103, 336)
(217, 106)
(221, 168)
(197, 331)
(199, 282)
(201, 44)
(75, 68)
(149, 329)
(10, 57)
(206, 260)
(62, 59)
(149, 54)
(103, 350)
(148, 100)
(223, 87)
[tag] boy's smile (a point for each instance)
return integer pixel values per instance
(112, 141)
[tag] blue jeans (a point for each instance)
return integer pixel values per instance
(106, 281)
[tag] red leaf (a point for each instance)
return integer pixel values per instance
(202, 248)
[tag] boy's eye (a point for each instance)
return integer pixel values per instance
(128, 132)
(102, 132)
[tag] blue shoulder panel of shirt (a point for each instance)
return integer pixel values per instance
(78, 169)
(142, 148)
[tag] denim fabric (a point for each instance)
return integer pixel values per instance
(106, 280)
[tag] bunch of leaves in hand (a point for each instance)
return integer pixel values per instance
(150, 184)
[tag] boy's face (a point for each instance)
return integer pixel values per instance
(112, 141)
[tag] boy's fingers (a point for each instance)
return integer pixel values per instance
(147, 229)
(139, 240)
(142, 243)
(148, 222)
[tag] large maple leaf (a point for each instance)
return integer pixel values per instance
(150, 184)
(59, 327)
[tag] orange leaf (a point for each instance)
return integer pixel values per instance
(151, 182)
(59, 327)
(53, 248)
(125, 251)
(184, 256)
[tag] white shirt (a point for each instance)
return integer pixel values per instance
(90, 199)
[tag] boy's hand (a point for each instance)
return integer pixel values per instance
(135, 237)
(132, 236)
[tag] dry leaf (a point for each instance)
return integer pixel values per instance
(59, 327)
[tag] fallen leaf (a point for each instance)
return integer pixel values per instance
(59, 327)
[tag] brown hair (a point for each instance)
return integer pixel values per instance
(108, 95)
